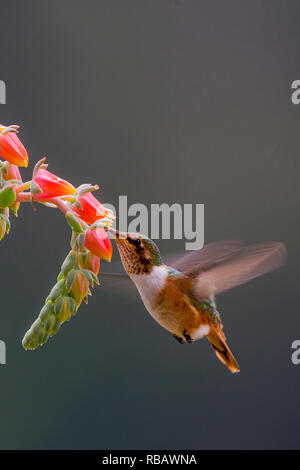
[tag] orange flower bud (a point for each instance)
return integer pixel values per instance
(11, 148)
(91, 209)
(51, 185)
(98, 243)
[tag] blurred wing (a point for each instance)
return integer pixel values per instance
(118, 282)
(201, 260)
(253, 261)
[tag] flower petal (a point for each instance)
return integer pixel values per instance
(98, 243)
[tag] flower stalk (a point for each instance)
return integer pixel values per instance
(77, 277)
(87, 217)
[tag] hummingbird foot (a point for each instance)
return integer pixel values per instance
(181, 340)
(187, 338)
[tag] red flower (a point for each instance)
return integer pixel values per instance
(51, 185)
(92, 209)
(12, 172)
(11, 148)
(98, 243)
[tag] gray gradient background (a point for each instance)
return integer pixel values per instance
(165, 101)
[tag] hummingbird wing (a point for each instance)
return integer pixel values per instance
(117, 281)
(248, 263)
(210, 255)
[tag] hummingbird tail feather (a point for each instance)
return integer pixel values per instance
(217, 340)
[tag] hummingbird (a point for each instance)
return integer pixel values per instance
(181, 297)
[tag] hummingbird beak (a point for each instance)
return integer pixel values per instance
(124, 248)
(116, 233)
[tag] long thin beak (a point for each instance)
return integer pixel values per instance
(117, 234)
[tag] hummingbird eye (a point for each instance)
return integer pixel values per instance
(136, 242)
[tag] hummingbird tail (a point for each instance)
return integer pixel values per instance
(218, 342)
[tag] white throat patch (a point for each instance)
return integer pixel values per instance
(150, 284)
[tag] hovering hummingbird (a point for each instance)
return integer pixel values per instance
(181, 297)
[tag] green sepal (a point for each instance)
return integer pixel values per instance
(46, 312)
(78, 243)
(7, 196)
(30, 340)
(34, 188)
(36, 326)
(73, 305)
(88, 275)
(42, 336)
(69, 263)
(70, 280)
(82, 257)
(57, 290)
(52, 325)
(8, 225)
(62, 309)
(95, 277)
(14, 208)
(85, 188)
(4, 225)
(74, 222)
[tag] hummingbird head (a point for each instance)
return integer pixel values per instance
(138, 252)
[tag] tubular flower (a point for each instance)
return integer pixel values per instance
(48, 185)
(98, 243)
(11, 148)
(91, 209)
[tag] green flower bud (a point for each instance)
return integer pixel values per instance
(42, 336)
(69, 263)
(79, 287)
(77, 274)
(46, 312)
(63, 309)
(57, 290)
(36, 326)
(30, 340)
(7, 196)
(52, 325)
